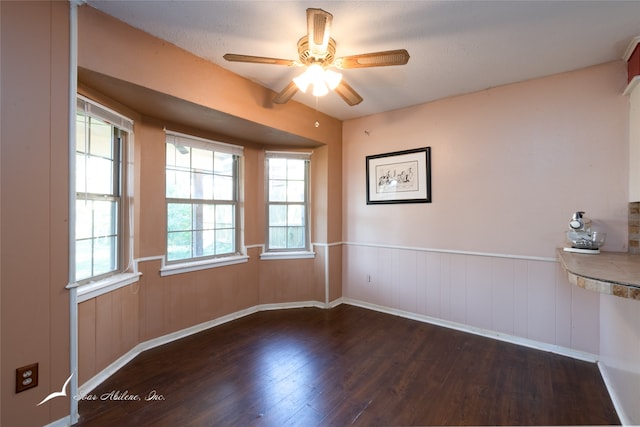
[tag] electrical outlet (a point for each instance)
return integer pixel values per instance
(26, 377)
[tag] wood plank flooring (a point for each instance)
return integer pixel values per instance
(346, 366)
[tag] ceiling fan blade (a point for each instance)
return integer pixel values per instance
(259, 59)
(285, 95)
(348, 94)
(374, 59)
(318, 31)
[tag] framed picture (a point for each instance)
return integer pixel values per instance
(399, 177)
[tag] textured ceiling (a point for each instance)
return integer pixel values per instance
(456, 47)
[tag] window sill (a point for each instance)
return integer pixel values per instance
(95, 289)
(186, 267)
(287, 255)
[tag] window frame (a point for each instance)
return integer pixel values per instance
(121, 137)
(179, 265)
(289, 253)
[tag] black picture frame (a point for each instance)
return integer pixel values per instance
(399, 177)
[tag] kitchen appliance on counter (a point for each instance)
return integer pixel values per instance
(583, 240)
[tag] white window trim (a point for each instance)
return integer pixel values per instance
(186, 267)
(296, 253)
(91, 290)
(177, 138)
(195, 264)
(104, 113)
(118, 278)
(266, 256)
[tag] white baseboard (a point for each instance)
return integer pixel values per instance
(62, 422)
(101, 376)
(525, 342)
(88, 386)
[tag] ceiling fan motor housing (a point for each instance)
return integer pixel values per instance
(308, 58)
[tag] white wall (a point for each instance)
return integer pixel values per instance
(620, 352)
(634, 145)
(528, 300)
(509, 167)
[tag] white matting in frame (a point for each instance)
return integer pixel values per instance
(399, 177)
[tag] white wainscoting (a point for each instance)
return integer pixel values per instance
(526, 297)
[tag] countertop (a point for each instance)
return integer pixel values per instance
(613, 273)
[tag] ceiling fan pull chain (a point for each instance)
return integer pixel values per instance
(317, 123)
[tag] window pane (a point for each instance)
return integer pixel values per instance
(224, 241)
(277, 190)
(287, 186)
(100, 138)
(277, 215)
(295, 215)
(223, 188)
(223, 164)
(295, 191)
(104, 218)
(208, 243)
(202, 160)
(84, 259)
(295, 169)
(99, 178)
(80, 173)
(97, 208)
(104, 255)
(277, 237)
(82, 128)
(94, 175)
(209, 217)
(197, 217)
(277, 168)
(224, 216)
(295, 237)
(200, 226)
(84, 219)
(179, 156)
(178, 217)
(178, 184)
(179, 245)
(202, 186)
(171, 155)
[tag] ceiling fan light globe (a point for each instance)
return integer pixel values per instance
(315, 72)
(320, 89)
(332, 79)
(311, 76)
(302, 81)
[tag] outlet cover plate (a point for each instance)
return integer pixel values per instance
(26, 377)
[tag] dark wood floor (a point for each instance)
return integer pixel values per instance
(346, 366)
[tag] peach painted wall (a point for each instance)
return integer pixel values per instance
(173, 303)
(163, 305)
(509, 166)
(153, 63)
(34, 304)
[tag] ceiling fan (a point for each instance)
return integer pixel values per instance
(316, 52)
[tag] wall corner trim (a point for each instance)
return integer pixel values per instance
(631, 47)
(631, 86)
(617, 404)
